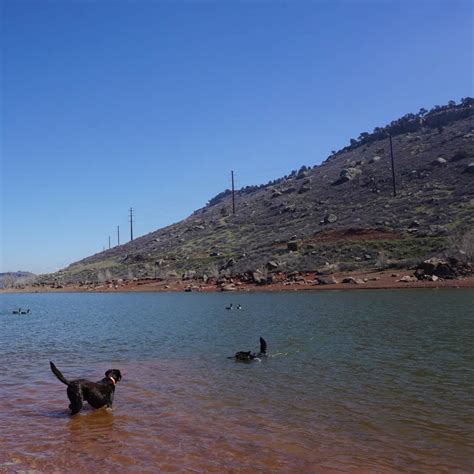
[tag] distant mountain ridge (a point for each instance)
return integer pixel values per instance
(10, 279)
(340, 213)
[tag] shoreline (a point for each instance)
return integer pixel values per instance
(306, 281)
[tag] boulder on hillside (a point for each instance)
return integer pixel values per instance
(222, 280)
(290, 208)
(469, 168)
(435, 266)
(133, 258)
(189, 275)
(374, 159)
(229, 263)
(435, 229)
(258, 277)
(272, 265)
(353, 281)
(347, 174)
(292, 245)
(446, 269)
(440, 162)
(407, 279)
(329, 218)
(326, 280)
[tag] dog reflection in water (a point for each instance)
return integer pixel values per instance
(96, 421)
(97, 394)
(249, 356)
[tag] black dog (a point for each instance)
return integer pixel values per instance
(243, 356)
(97, 394)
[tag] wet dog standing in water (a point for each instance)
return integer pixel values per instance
(243, 356)
(97, 394)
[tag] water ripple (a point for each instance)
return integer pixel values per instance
(366, 382)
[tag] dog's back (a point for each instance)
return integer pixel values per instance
(247, 356)
(243, 356)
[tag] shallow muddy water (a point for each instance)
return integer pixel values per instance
(372, 381)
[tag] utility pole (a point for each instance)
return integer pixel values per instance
(118, 235)
(233, 192)
(131, 223)
(393, 166)
(109, 242)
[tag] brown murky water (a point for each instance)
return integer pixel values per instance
(170, 421)
(338, 393)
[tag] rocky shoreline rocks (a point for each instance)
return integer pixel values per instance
(432, 273)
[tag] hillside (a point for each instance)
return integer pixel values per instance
(340, 213)
(10, 279)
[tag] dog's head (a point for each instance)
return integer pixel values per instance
(115, 374)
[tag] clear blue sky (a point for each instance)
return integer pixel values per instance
(150, 104)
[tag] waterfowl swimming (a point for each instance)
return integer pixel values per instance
(25, 312)
(243, 356)
(17, 311)
(229, 307)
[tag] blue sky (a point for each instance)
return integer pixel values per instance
(111, 104)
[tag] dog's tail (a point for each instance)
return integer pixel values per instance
(58, 374)
(263, 346)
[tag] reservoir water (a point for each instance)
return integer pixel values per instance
(361, 381)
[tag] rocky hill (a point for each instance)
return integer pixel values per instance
(341, 213)
(16, 279)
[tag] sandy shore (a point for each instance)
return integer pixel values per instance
(373, 280)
